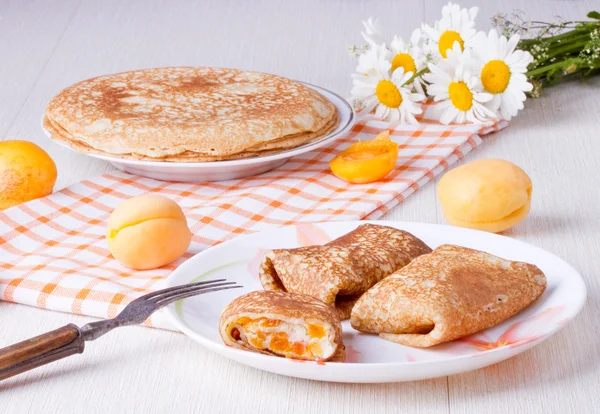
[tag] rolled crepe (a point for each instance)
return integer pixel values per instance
(450, 293)
(283, 324)
(339, 272)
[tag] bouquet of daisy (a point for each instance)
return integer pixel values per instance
(471, 76)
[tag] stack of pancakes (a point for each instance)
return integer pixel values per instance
(188, 114)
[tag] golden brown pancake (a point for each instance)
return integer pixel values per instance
(59, 134)
(448, 294)
(340, 271)
(196, 113)
(283, 324)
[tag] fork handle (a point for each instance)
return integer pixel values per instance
(40, 350)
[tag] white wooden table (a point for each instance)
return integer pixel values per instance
(48, 45)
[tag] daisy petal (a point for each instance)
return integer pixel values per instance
(380, 111)
(448, 115)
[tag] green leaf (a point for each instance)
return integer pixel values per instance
(594, 15)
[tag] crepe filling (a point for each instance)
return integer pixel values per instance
(284, 338)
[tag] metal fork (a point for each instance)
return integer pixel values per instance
(70, 339)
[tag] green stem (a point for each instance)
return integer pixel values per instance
(543, 69)
(575, 47)
(584, 36)
(568, 47)
(564, 49)
(416, 75)
(550, 41)
(564, 24)
(565, 35)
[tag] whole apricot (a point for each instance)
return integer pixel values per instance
(147, 232)
(490, 195)
(26, 172)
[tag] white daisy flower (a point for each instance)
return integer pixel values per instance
(457, 57)
(503, 72)
(375, 60)
(409, 56)
(458, 90)
(456, 25)
(390, 96)
(372, 34)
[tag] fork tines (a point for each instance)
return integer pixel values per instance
(166, 296)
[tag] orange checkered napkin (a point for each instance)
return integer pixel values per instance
(53, 253)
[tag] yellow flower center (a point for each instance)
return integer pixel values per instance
(460, 95)
(388, 94)
(495, 76)
(405, 61)
(447, 40)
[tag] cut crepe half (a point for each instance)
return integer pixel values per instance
(283, 324)
(340, 271)
(448, 294)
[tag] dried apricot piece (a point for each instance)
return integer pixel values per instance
(235, 334)
(258, 341)
(315, 349)
(279, 342)
(243, 320)
(316, 331)
(269, 322)
(366, 161)
(298, 348)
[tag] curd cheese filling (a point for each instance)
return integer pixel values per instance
(287, 339)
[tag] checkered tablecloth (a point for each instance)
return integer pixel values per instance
(54, 255)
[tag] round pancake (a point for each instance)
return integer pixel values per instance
(273, 147)
(166, 112)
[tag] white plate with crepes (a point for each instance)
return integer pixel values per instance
(230, 169)
(368, 357)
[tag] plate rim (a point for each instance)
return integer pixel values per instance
(286, 154)
(521, 345)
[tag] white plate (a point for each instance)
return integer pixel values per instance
(229, 170)
(371, 359)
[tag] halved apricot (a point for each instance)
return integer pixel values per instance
(366, 161)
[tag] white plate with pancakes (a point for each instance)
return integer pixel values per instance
(369, 358)
(195, 124)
